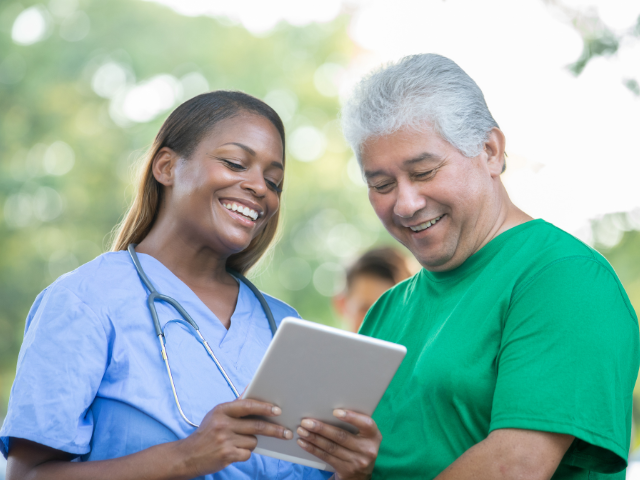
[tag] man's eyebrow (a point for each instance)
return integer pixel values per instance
(410, 161)
(242, 146)
(368, 174)
(421, 158)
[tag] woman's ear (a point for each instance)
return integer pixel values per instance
(164, 166)
(494, 149)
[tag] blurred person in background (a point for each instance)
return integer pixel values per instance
(372, 274)
(91, 385)
(523, 348)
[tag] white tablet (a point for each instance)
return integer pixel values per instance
(311, 369)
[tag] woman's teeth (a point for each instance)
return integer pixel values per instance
(425, 225)
(246, 211)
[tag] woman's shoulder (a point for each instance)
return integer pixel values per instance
(100, 269)
(92, 281)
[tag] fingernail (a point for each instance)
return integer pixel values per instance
(301, 442)
(339, 413)
(276, 410)
(308, 424)
(302, 432)
(288, 434)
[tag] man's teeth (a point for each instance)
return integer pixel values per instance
(246, 211)
(425, 225)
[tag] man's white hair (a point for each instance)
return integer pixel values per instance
(418, 92)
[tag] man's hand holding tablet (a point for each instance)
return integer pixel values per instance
(352, 456)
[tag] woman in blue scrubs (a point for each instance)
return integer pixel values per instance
(92, 398)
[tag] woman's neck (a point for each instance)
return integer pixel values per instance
(193, 262)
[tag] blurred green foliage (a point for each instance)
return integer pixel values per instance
(599, 40)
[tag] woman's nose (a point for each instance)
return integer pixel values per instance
(255, 183)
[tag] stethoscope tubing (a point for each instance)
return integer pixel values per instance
(154, 296)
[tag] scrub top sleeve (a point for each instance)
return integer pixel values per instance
(568, 362)
(60, 367)
(314, 474)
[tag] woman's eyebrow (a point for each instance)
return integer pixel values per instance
(249, 150)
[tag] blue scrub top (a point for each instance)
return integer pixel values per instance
(91, 381)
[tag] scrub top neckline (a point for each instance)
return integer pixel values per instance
(237, 331)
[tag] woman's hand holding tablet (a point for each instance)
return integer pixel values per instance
(225, 437)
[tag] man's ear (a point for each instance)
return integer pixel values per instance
(494, 149)
(164, 166)
(340, 303)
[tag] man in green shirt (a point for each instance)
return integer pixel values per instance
(522, 346)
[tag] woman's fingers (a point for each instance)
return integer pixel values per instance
(247, 442)
(251, 426)
(236, 411)
(242, 408)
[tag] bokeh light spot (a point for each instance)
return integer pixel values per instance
(328, 79)
(146, 100)
(58, 159)
(307, 144)
(329, 279)
(31, 26)
(47, 204)
(193, 84)
(108, 79)
(294, 273)
(344, 240)
(18, 210)
(63, 8)
(284, 102)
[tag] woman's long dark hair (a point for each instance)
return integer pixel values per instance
(182, 131)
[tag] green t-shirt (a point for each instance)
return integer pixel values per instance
(533, 332)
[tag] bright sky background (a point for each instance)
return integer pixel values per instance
(572, 141)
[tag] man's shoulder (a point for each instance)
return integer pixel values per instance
(556, 261)
(542, 245)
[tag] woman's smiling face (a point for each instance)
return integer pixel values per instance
(223, 195)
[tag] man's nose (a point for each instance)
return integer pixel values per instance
(409, 201)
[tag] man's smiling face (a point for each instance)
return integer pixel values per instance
(431, 198)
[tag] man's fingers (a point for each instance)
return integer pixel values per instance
(325, 444)
(243, 408)
(366, 425)
(318, 452)
(337, 435)
(250, 426)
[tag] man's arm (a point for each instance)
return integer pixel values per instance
(511, 454)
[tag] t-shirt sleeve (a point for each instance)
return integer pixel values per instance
(569, 360)
(60, 367)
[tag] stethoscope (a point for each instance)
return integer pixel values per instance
(154, 296)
